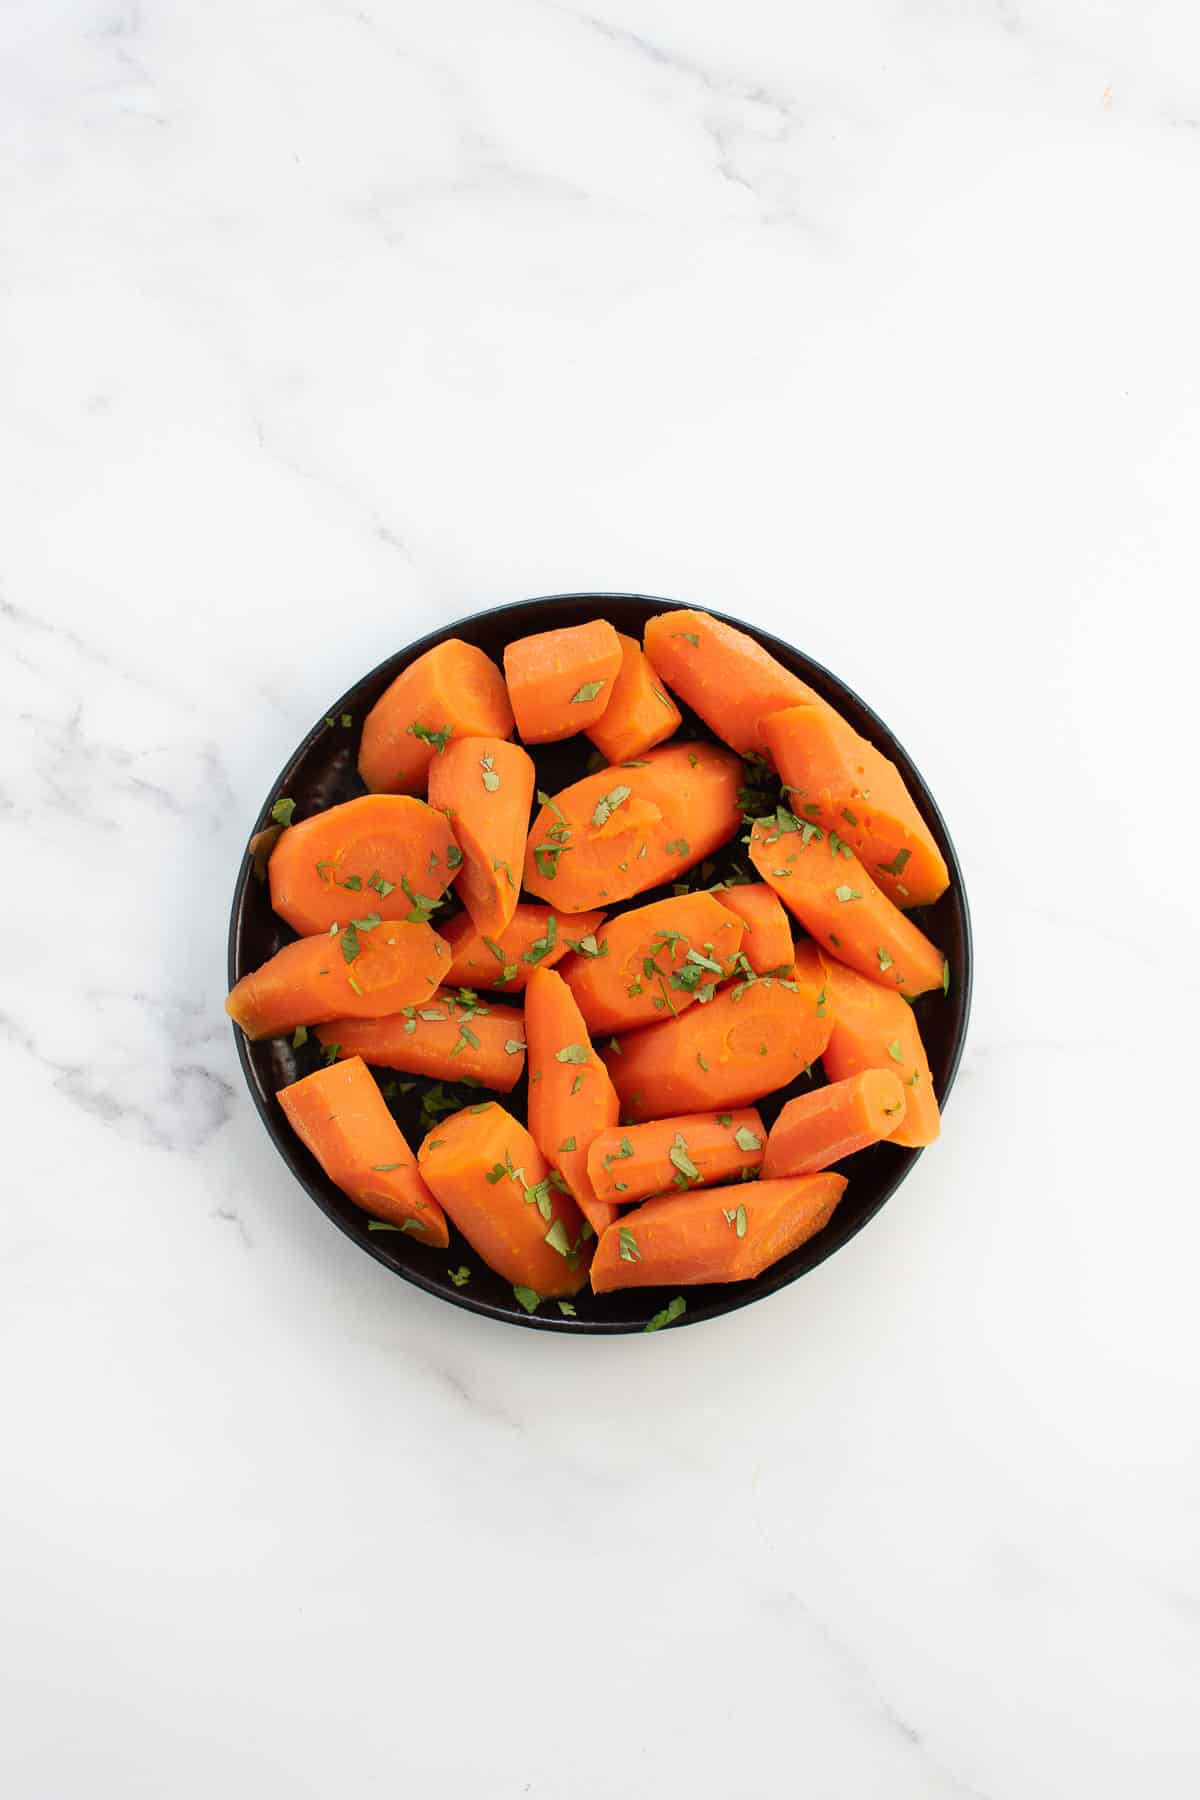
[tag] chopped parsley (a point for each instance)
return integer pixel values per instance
(608, 803)
(299, 1037)
(528, 1298)
(572, 1053)
(628, 1245)
(491, 780)
(586, 693)
(438, 739)
(461, 1276)
(674, 1310)
(282, 811)
(897, 866)
(745, 1139)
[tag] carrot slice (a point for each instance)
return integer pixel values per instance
(560, 682)
(485, 788)
(652, 962)
(722, 674)
(492, 1179)
(631, 1162)
(754, 1037)
(447, 1037)
(453, 691)
(534, 938)
(340, 1116)
(820, 1128)
(570, 1095)
(821, 881)
(713, 1234)
(381, 853)
(767, 943)
(842, 782)
(363, 972)
(640, 713)
(874, 1029)
(630, 827)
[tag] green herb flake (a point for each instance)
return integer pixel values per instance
(588, 946)
(496, 1173)
(587, 692)
(438, 739)
(680, 847)
(491, 780)
(508, 872)
(740, 1222)
(693, 759)
(885, 961)
(383, 1225)
(701, 1061)
(894, 1051)
(745, 1139)
(282, 811)
(844, 893)
(567, 1144)
(572, 1053)
(543, 945)
(946, 976)
(897, 865)
(461, 1276)
(528, 1298)
(680, 1159)
(628, 1245)
(608, 803)
(330, 1053)
(689, 635)
(577, 1084)
(724, 1118)
(353, 883)
(674, 1310)
(299, 1037)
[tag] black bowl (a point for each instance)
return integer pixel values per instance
(323, 771)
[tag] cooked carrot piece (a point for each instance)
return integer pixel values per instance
(627, 1163)
(874, 1029)
(453, 691)
(560, 682)
(652, 962)
(754, 1037)
(447, 1037)
(340, 1115)
(493, 1181)
(640, 713)
(381, 853)
(843, 783)
(363, 972)
(722, 674)
(630, 827)
(821, 881)
(767, 942)
(534, 938)
(570, 1095)
(713, 1234)
(820, 1128)
(485, 788)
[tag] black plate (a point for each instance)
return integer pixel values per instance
(323, 771)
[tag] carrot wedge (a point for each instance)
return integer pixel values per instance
(874, 1029)
(381, 853)
(767, 943)
(340, 1116)
(453, 691)
(640, 713)
(713, 1234)
(560, 682)
(820, 1128)
(491, 1178)
(534, 938)
(571, 1097)
(723, 674)
(449, 1038)
(484, 786)
(653, 961)
(366, 971)
(821, 881)
(845, 784)
(627, 1163)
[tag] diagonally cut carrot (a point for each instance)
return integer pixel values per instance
(453, 691)
(484, 786)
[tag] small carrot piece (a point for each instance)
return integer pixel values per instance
(571, 1097)
(767, 943)
(484, 786)
(874, 1029)
(534, 938)
(381, 853)
(453, 691)
(842, 782)
(821, 881)
(722, 674)
(628, 1163)
(340, 1116)
(820, 1128)
(629, 827)
(560, 682)
(654, 961)
(448, 1038)
(713, 1234)
(640, 713)
(362, 973)
(491, 1178)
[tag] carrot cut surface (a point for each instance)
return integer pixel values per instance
(843, 783)
(627, 1163)
(486, 1171)
(767, 941)
(640, 714)
(363, 972)
(449, 1037)
(484, 786)
(561, 682)
(713, 1234)
(722, 674)
(534, 938)
(874, 1029)
(571, 1097)
(340, 1116)
(454, 690)
(381, 853)
(820, 1128)
(651, 963)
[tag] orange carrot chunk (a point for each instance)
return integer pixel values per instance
(453, 691)
(484, 786)
(490, 1176)
(713, 1234)
(363, 972)
(447, 1037)
(627, 1163)
(381, 853)
(340, 1116)
(652, 962)
(874, 1029)
(767, 943)
(722, 674)
(640, 713)
(843, 783)
(817, 1129)
(570, 1095)
(560, 682)
(534, 938)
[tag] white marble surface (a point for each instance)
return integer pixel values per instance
(325, 322)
